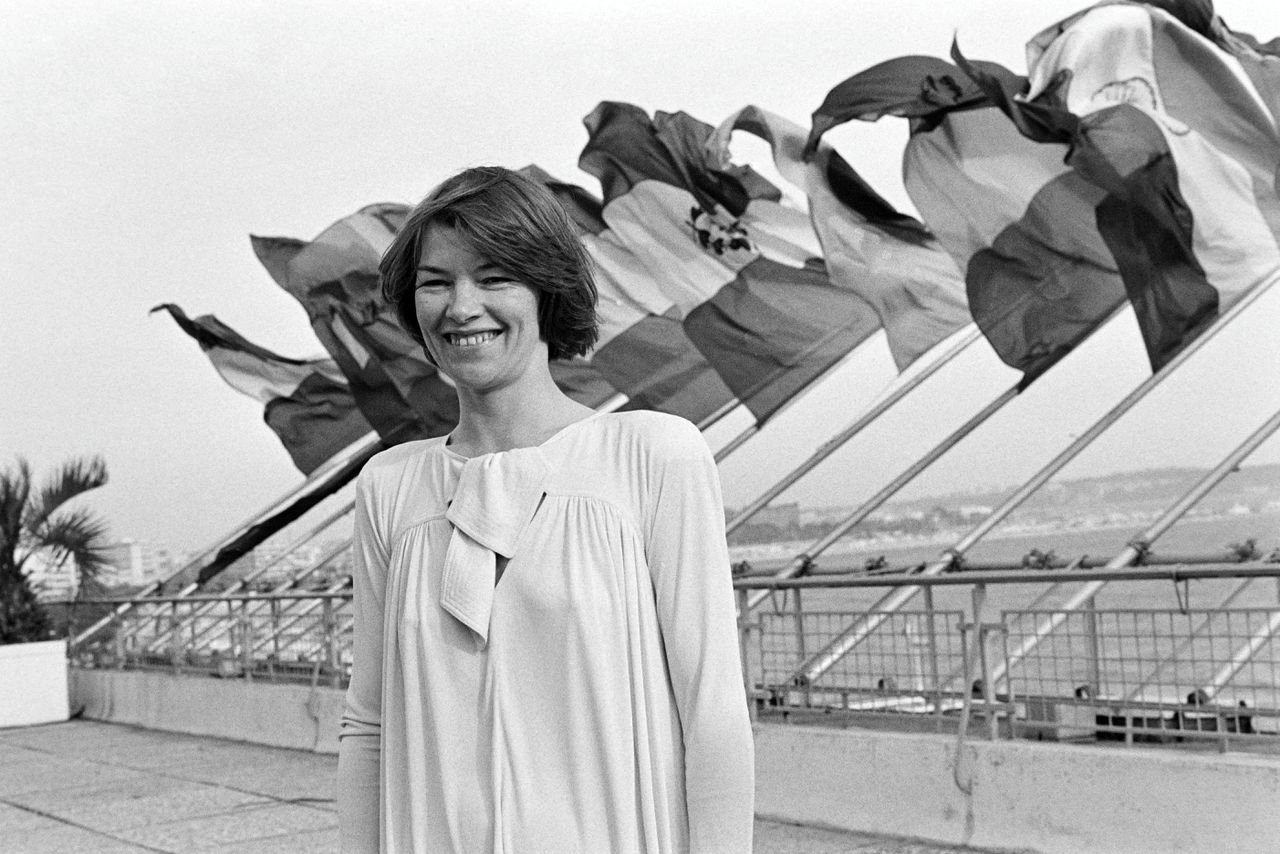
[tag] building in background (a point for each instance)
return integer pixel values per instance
(137, 562)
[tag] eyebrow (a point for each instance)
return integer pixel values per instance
(485, 267)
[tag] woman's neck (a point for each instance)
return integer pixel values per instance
(514, 417)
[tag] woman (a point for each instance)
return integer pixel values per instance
(545, 647)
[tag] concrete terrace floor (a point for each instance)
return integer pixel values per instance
(97, 788)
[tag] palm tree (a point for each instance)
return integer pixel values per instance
(33, 522)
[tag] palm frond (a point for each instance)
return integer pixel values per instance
(80, 535)
(74, 478)
(15, 490)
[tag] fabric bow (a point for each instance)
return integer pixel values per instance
(494, 502)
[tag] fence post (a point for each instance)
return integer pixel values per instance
(1094, 655)
(246, 641)
(744, 645)
(175, 638)
(934, 674)
(801, 646)
(331, 642)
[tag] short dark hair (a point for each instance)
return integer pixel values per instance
(517, 224)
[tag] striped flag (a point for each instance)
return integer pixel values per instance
(1136, 162)
(887, 258)
(335, 278)
(1178, 125)
(694, 249)
(1018, 222)
(307, 401)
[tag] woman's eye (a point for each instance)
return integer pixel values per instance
(433, 283)
(496, 281)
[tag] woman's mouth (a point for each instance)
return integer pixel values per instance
(471, 339)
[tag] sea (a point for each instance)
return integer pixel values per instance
(1189, 537)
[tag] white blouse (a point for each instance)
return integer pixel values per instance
(591, 700)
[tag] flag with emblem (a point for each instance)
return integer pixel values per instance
(696, 248)
(888, 258)
(1063, 195)
(307, 401)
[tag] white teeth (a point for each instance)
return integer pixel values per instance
(473, 339)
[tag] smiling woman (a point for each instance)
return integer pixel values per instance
(479, 323)
(545, 647)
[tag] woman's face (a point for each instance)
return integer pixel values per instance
(479, 323)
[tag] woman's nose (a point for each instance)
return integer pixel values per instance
(464, 301)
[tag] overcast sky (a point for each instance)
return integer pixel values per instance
(143, 142)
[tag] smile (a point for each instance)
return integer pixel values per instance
(471, 339)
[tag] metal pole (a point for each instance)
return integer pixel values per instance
(1243, 655)
(314, 481)
(1134, 550)
(1186, 642)
(1095, 646)
(741, 439)
(854, 635)
(835, 442)
(934, 670)
(797, 566)
(744, 631)
(889, 602)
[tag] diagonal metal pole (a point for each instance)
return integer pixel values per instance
(801, 562)
(317, 480)
(738, 441)
(1186, 642)
(862, 628)
(834, 443)
(1138, 546)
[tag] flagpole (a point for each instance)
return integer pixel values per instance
(1185, 642)
(833, 444)
(365, 446)
(755, 427)
(858, 632)
(802, 560)
(1138, 546)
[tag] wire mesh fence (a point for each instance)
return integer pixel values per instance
(291, 637)
(1148, 675)
(1202, 676)
(903, 665)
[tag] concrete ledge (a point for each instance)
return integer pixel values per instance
(1017, 795)
(1020, 795)
(293, 716)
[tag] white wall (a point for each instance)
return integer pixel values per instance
(1021, 795)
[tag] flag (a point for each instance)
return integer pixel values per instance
(308, 403)
(1063, 194)
(335, 278)
(1017, 221)
(648, 357)
(1162, 110)
(887, 258)
(694, 245)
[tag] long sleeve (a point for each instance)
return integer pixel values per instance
(689, 564)
(360, 737)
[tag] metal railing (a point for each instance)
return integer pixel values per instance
(1155, 675)
(278, 637)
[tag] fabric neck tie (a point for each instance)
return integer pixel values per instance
(494, 502)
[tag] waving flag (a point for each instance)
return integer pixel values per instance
(1018, 222)
(885, 257)
(335, 277)
(646, 356)
(308, 403)
(1056, 216)
(702, 249)
(1173, 125)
